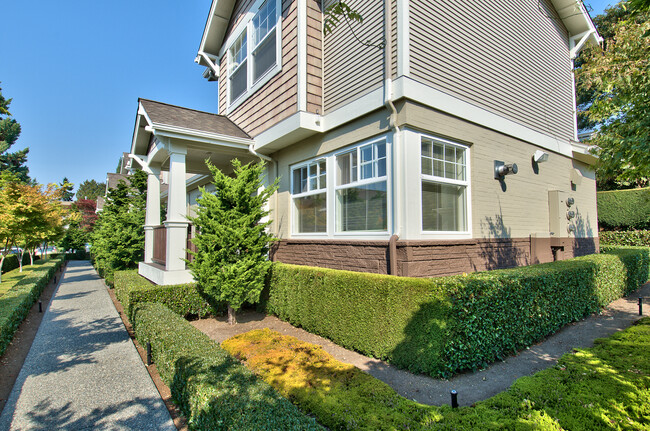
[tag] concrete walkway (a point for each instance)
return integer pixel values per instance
(83, 371)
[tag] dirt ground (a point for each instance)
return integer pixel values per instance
(13, 358)
(471, 387)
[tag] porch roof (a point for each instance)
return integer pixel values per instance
(157, 116)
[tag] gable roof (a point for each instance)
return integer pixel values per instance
(162, 117)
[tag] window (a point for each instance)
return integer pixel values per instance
(309, 184)
(353, 200)
(254, 53)
(361, 192)
(444, 186)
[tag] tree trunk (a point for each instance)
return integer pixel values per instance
(31, 257)
(2, 261)
(232, 320)
(20, 260)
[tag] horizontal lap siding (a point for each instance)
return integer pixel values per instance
(238, 12)
(509, 58)
(314, 57)
(352, 69)
(278, 98)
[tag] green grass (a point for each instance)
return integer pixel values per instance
(18, 291)
(605, 387)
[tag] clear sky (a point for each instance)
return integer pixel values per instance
(75, 70)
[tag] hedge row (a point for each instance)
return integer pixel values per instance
(11, 262)
(24, 289)
(183, 299)
(624, 209)
(638, 238)
(444, 325)
(214, 391)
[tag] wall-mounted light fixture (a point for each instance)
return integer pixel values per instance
(501, 169)
(540, 156)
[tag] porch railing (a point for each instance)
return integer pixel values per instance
(160, 245)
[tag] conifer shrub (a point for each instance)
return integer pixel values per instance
(444, 325)
(214, 391)
(132, 289)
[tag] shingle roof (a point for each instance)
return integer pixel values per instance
(162, 113)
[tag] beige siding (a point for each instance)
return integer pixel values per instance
(393, 32)
(511, 58)
(522, 209)
(352, 69)
(278, 98)
(238, 12)
(314, 57)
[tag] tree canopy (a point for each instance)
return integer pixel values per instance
(66, 190)
(9, 132)
(614, 96)
(90, 189)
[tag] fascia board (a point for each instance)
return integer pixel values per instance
(138, 139)
(215, 28)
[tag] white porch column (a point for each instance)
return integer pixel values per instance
(152, 215)
(176, 223)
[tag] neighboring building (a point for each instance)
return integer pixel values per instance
(386, 151)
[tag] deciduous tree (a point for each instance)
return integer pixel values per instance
(231, 259)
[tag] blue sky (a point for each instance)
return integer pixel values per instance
(75, 70)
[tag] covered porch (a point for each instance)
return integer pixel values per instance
(172, 143)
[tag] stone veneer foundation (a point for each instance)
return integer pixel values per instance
(430, 258)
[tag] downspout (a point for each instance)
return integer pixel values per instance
(388, 102)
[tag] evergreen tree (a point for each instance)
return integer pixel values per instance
(91, 189)
(231, 259)
(66, 190)
(118, 236)
(9, 132)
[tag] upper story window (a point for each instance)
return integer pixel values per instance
(444, 186)
(255, 53)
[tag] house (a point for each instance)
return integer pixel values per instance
(433, 138)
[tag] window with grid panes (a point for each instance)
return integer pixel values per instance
(309, 192)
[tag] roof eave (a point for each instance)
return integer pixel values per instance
(214, 32)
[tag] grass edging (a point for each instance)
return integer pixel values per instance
(606, 386)
(19, 298)
(213, 389)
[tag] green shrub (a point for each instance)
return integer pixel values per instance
(624, 209)
(21, 290)
(444, 325)
(183, 299)
(638, 238)
(213, 389)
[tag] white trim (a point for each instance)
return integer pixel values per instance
(423, 94)
(302, 55)
(403, 38)
(467, 183)
(193, 134)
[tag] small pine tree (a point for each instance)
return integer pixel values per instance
(231, 259)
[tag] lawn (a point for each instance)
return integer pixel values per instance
(604, 387)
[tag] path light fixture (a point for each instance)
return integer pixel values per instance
(501, 169)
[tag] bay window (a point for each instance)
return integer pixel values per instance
(444, 186)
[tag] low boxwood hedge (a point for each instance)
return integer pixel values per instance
(445, 325)
(635, 238)
(183, 299)
(213, 389)
(20, 291)
(624, 209)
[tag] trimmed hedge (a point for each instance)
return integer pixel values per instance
(213, 389)
(638, 238)
(24, 289)
(445, 325)
(624, 209)
(183, 299)
(11, 262)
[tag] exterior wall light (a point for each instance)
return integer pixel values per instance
(501, 169)
(540, 156)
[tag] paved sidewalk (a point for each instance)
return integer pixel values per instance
(83, 371)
